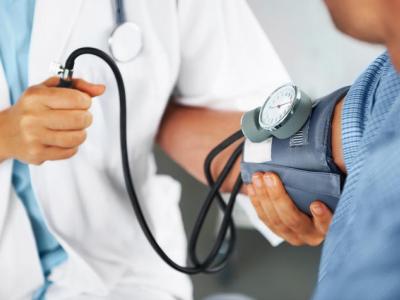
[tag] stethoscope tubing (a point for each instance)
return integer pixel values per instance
(210, 264)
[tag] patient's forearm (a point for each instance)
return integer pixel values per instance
(187, 134)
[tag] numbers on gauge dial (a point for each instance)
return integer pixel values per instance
(277, 107)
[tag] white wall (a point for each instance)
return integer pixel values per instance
(317, 56)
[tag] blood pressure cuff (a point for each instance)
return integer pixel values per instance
(304, 161)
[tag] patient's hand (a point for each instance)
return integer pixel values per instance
(277, 210)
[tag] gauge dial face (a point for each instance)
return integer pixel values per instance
(277, 107)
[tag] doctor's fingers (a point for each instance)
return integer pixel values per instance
(63, 139)
(266, 211)
(322, 216)
(67, 119)
(285, 207)
(301, 224)
(92, 89)
(51, 153)
(40, 96)
(61, 98)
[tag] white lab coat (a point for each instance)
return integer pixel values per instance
(212, 53)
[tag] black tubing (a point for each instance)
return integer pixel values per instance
(209, 265)
(227, 222)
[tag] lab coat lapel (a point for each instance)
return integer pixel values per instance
(52, 25)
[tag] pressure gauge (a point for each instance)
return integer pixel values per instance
(277, 107)
(283, 113)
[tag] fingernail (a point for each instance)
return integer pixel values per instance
(317, 209)
(101, 86)
(257, 181)
(250, 190)
(269, 181)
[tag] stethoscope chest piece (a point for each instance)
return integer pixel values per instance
(126, 42)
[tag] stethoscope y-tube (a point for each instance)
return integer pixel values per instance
(120, 12)
(216, 259)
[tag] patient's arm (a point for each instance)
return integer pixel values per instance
(337, 147)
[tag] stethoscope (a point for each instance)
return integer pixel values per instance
(126, 40)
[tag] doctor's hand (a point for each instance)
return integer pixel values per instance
(278, 211)
(47, 123)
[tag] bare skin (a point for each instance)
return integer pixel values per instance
(373, 21)
(187, 134)
(277, 210)
(47, 123)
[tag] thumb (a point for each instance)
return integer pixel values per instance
(91, 89)
(322, 216)
(52, 81)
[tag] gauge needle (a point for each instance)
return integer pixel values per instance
(280, 105)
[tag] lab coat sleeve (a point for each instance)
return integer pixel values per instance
(227, 63)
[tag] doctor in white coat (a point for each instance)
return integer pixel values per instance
(209, 56)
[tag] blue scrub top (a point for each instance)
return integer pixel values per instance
(16, 17)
